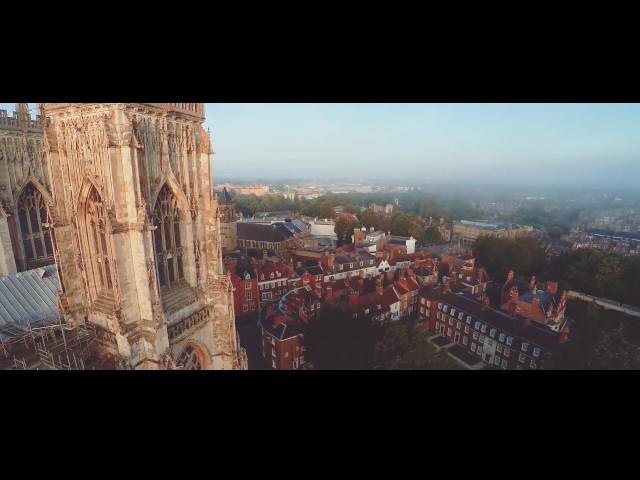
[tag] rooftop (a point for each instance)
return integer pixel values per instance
(29, 298)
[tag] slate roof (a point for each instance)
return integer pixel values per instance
(535, 333)
(261, 232)
(313, 270)
(29, 298)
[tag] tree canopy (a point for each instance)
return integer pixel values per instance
(600, 339)
(344, 228)
(523, 255)
(401, 346)
(337, 341)
(326, 210)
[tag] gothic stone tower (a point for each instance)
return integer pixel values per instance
(137, 233)
(228, 222)
(25, 193)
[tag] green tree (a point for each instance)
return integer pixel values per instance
(523, 255)
(402, 347)
(370, 219)
(326, 210)
(350, 208)
(337, 341)
(431, 235)
(344, 228)
(599, 340)
(400, 225)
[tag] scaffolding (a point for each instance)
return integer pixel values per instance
(50, 346)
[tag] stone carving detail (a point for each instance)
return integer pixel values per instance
(118, 131)
(197, 257)
(188, 323)
(84, 152)
(24, 157)
(193, 203)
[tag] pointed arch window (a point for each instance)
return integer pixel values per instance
(34, 226)
(168, 242)
(189, 359)
(98, 244)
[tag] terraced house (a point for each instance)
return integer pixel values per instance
(462, 323)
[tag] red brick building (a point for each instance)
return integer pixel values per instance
(492, 336)
(282, 342)
(245, 285)
(273, 280)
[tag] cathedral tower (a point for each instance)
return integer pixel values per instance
(137, 234)
(25, 193)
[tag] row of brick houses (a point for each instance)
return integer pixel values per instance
(381, 300)
(447, 295)
(514, 336)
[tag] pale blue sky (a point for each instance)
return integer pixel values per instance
(543, 144)
(552, 144)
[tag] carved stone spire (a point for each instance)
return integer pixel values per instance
(22, 113)
(22, 108)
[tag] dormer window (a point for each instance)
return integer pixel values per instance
(262, 276)
(278, 274)
(271, 276)
(351, 265)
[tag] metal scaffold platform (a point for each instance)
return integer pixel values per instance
(54, 346)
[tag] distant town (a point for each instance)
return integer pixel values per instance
(481, 282)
